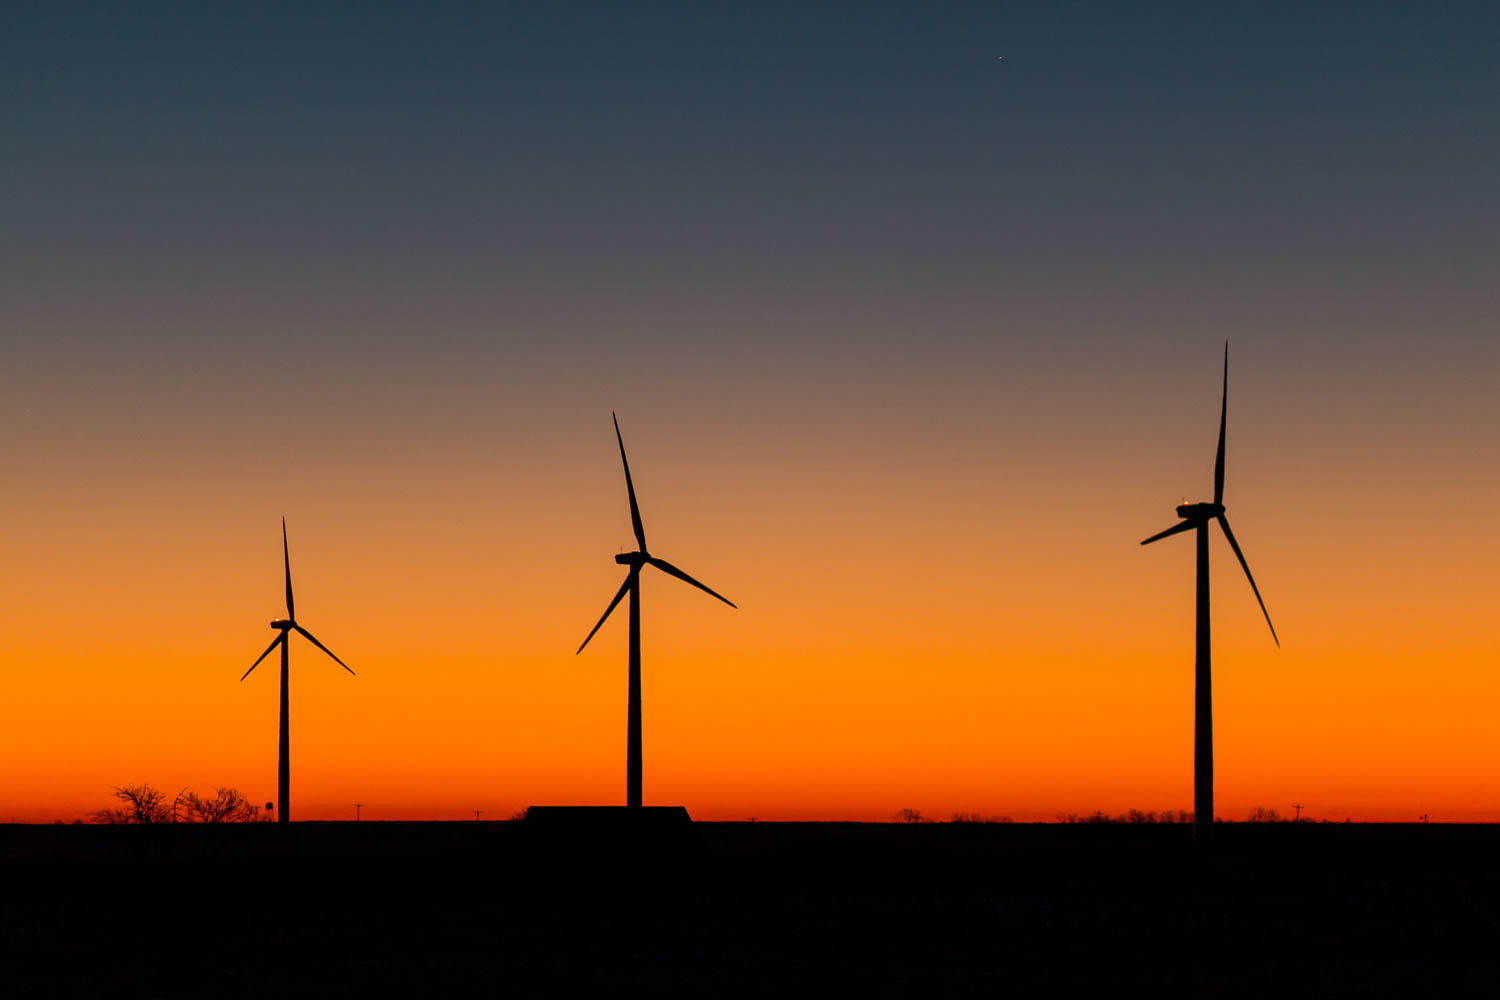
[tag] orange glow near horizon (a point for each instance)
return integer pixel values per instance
(939, 609)
(910, 345)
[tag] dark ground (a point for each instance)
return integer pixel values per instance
(468, 908)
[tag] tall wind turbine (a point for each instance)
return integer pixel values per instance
(283, 626)
(632, 586)
(1195, 517)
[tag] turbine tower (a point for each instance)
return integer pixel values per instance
(632, 586)
(283, 626)
(1196, 517)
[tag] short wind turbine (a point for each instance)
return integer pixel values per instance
(283, 626)
(1196, 517)
(632, 586)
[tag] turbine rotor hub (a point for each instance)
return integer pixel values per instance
(636, 559)
(283, 624)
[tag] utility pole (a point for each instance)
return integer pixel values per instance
(476, 814)
(356, 811)
(1299, 813)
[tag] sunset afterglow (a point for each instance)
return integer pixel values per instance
(910, 348)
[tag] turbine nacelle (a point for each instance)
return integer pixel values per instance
(633, 559)
(283, 624)
(1199, 511)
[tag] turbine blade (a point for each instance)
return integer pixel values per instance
(313, 639)
(618, 595)
(1224, 523)
(667, 567)
(280, 638)
(1223, 417)
(291, 611)
(1174, 529)
(635, 511)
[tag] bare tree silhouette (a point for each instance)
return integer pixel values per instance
(142, 804)
(139, 804)
(226, 806)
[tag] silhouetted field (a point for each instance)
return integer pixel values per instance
(767, 907)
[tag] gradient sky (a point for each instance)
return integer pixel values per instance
(911, 345)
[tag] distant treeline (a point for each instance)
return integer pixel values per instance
(1130, 816)
(1259, 814)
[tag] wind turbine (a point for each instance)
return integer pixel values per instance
(632, 586)
(283, 626)
(1196, 517)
